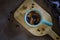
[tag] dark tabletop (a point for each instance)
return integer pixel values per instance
(10, 29)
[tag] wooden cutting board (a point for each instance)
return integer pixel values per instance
(37, 31)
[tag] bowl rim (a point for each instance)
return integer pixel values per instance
(36, 10)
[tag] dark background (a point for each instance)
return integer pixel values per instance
(10, 29)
